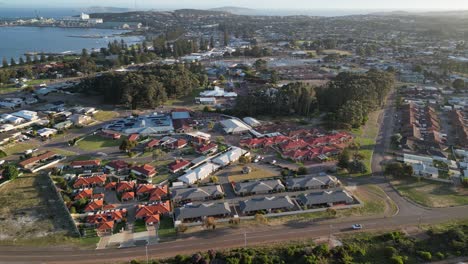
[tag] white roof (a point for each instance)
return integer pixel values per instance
(26, 114)
(233, 126)
(199, 134)
(251, 121)
(424, 169)
(230, 156)
(198, 173)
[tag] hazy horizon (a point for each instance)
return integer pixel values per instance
(403, 5)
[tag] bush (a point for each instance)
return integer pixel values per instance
(302, 170)
(397, 260)
(181, 228)
(440, 255)
(390, 251)
(425, 255)
(72, 210)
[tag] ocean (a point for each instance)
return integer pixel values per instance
(16, 41)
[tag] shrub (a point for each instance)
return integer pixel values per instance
(181, 228)
(302, 170)
(390, 251)
(425, 255)
(440, 255)
(397, 259)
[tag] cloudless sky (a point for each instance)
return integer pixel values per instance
(263, 4)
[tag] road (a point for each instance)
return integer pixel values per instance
(409, 214)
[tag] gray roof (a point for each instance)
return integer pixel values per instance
(310, 181)
(325, 197)
(259, 186)
(201, 210)
(265, 203)
(197, 192)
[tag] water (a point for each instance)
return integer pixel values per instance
(16, 13)
(15, 41)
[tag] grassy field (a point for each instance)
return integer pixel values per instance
(19, 148)
(166, 228)
(105, 115)
(32, 214)
(96, 142)
(431, 194)
(64, 152)
(235, 173)
(366, 136)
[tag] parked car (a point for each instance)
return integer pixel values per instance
(356, 227)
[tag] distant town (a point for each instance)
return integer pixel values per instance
(221, 132)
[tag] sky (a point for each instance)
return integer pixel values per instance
(258, 4)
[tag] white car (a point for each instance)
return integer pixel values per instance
(273, 162)
(2, 162)
(356, 227)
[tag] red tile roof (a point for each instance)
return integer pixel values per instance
(133, 137)
(179, 143)
(206, 148)
(118, 164)
(152, 219)
(293, 145)
(47, 155)
(112, 215)
(147, 170)
(128, 196)
(178, 165)
(105, 226)
(87, 193)
(144, 211)
(90, 181)
(110, 186)
(85, 163)
(158, 193)
(124, 186)
(145, 188)
(153, 143)
(94, 206)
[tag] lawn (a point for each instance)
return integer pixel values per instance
(235, 174)
(96, 142)
(105, 115)
(19, 148)
(139, 226)
(166, 228)
(32, 214)
(431, 194)
(64, 152)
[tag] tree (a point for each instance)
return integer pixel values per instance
(11, 172)
(5, 63)
(28, 59)
(244, 160)
(260, 218)
(331, 212)
(12, 62)
(43, 58)
(302, 170)
(260, 65)
(127, 145)
(343, 159)
(459, 84)
(214, 179)
(210, 222)
(21, 61)
(226, 37)
(396, 139)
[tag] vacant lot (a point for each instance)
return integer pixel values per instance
(30, 212)
(19, 148)
(95, 142)
(431, 194)
(105, 115)
(235, 174)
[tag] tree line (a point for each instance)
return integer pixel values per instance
(149, 87)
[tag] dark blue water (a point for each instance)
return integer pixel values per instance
(15, 41)
(14, 13)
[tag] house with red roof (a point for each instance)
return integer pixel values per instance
(44, 158)
(116, 215)
(159, 193)
(85, 164)
(144, 189)
(110, 134)
(207, 149)
(152, 220)
(91, 181)
(84, 194)
(94, 205)
(133, 137)
(145, 211)
(111, 186)
(128, 196)
(178, 144)
(252, 143)
(105, 228)
(145, 170)
(293, 145)
(178, 165)
(125, 186)
(153, 143)
(117, 166)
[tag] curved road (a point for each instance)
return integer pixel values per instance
(409, 214)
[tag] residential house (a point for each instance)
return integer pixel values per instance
(230, 156)
(266, 204)
(325, 198)
(85, 164)
(178, 165)
(207, 149)
(145, 211)
(196, 212)
(145, 170)
(118, 166)
(188, 195)
(258, 187)
(153, 143)
(94, 205)
(199, 173)
(90, 181)
(39, 162)
(128, 196)
(312, 182)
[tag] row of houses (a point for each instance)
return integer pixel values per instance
(460, 125)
